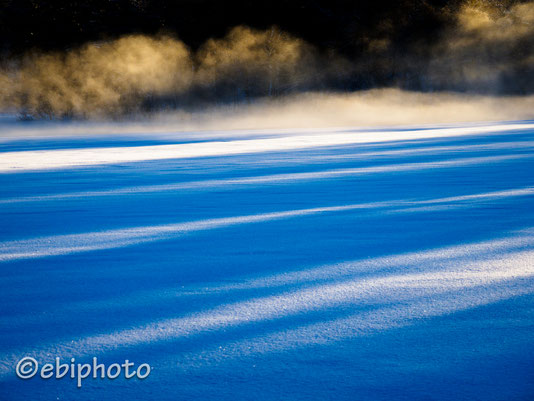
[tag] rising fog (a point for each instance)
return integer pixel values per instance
(480, 67)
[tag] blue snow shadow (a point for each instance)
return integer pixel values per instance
(390, 271)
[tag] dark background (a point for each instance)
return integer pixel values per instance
(332, 24)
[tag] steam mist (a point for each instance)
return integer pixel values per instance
(137, 73)
(485, 50)
(490, 49)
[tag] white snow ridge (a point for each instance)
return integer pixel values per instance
(251, 262)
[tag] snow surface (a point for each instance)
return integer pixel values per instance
(343, 264)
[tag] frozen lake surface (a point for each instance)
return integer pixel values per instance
(332, 264)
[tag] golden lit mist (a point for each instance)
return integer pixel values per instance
(489, 49)
(119, 76)
(377, 107)
(486, 52)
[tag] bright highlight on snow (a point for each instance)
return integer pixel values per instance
(259, 257)
(65, 158)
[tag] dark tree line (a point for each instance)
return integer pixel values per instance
(332, 24)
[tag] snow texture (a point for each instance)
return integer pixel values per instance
(343, 264)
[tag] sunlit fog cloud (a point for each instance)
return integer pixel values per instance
(486, 48)
(362, 108)
(489, 49)
(98, 78)
(140, 72)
